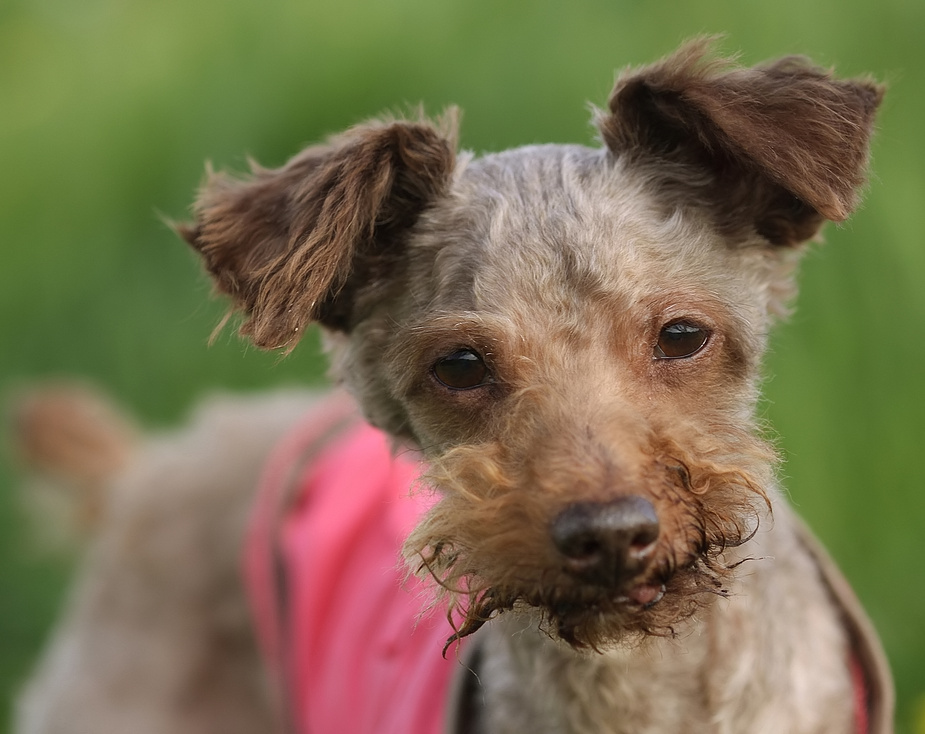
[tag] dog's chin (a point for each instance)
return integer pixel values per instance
(595, 618)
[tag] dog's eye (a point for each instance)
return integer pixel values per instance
(680, 339)
(461, 370)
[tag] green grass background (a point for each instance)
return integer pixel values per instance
(108, 109)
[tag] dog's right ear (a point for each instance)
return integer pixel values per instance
(287, 244)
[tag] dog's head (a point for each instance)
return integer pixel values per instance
(572, 335)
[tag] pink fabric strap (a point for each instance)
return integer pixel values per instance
(860, 696)
(261, 545)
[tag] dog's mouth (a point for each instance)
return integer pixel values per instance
(595, 617)
(643, 595)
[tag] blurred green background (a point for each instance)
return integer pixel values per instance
(108, 109)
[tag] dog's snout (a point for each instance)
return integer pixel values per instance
(606, 542)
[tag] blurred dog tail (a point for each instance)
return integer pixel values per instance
(74, 438)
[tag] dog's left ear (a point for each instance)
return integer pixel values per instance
(784, 145)
(293, 244)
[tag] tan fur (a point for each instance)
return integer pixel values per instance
(561, 268)
(77, 439)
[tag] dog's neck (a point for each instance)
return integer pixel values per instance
(755, 669)
(654, 680)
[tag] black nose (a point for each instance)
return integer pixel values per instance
(606, 542)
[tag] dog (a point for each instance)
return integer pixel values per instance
(565, 343)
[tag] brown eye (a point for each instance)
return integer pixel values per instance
(461, 370)
(680, 339)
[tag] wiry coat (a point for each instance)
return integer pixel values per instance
(509, 316)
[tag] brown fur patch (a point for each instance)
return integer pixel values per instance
(785, 144)
(285, 243)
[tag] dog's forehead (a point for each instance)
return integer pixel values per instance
(551, 225)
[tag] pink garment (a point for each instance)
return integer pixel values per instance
(337, 621)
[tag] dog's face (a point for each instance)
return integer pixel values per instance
(578, 361)
(571, 335)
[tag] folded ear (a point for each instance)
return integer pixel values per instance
(286, 244)
(784, 145)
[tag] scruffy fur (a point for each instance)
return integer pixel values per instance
(555, 277)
